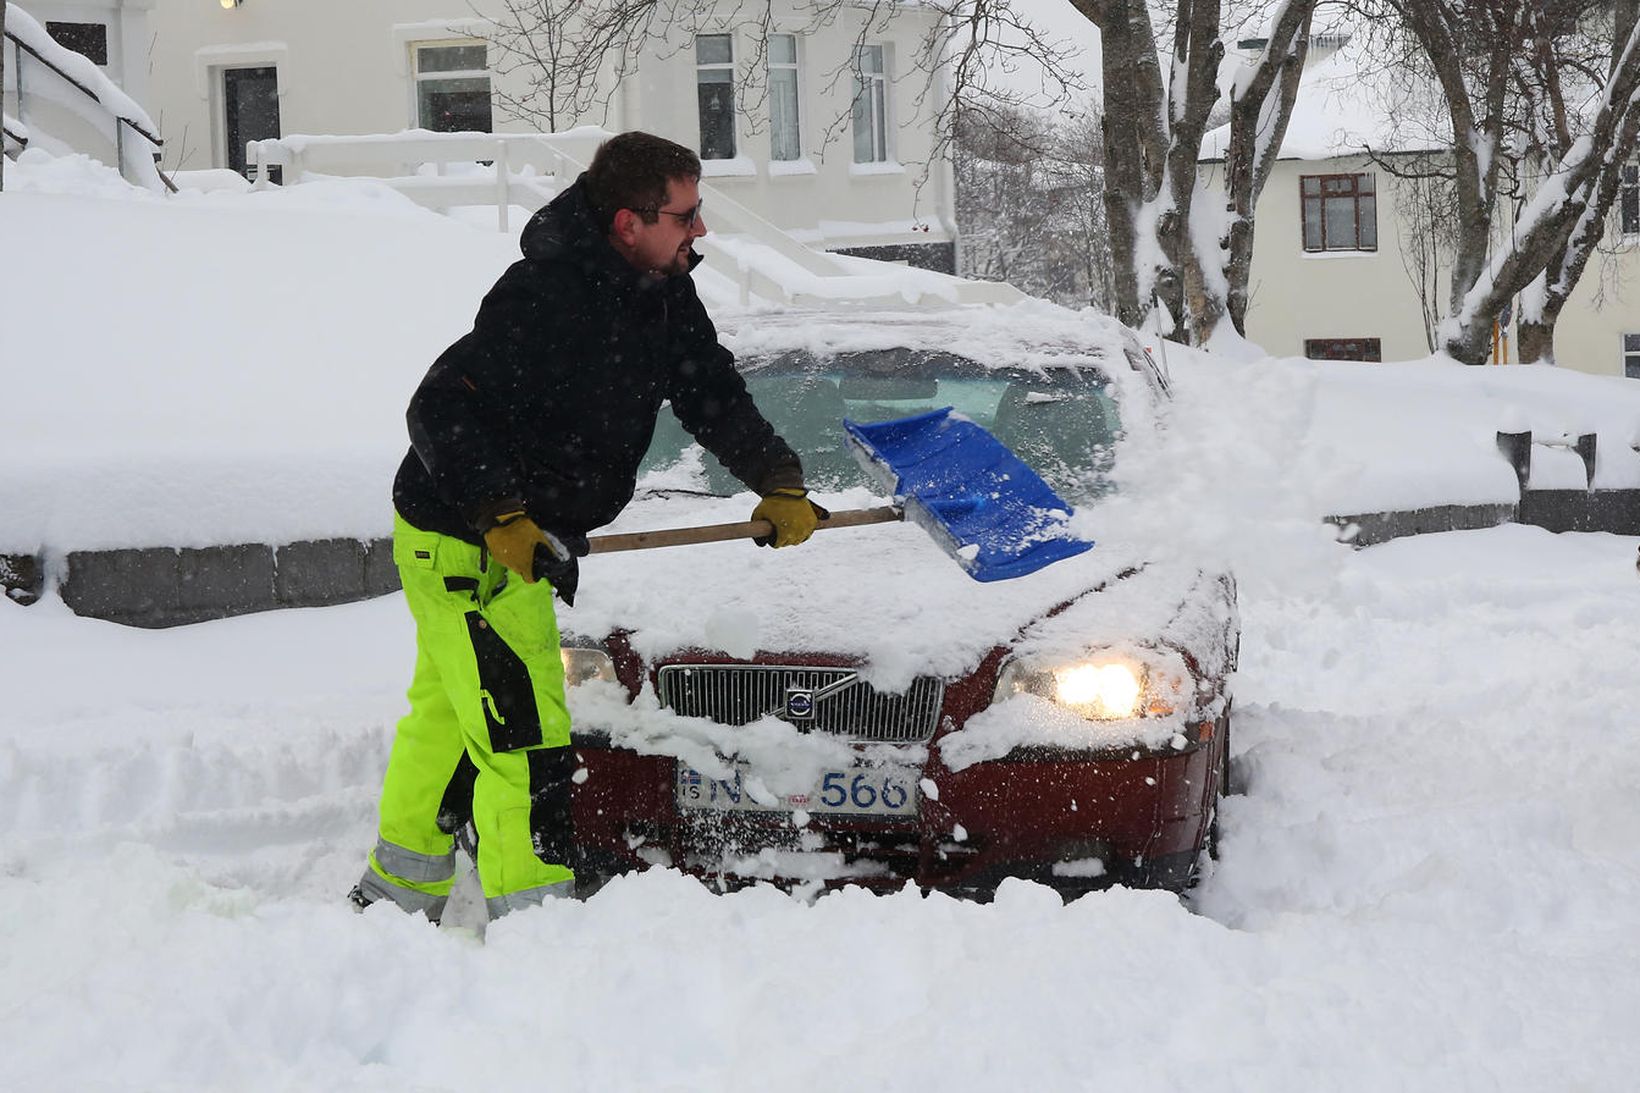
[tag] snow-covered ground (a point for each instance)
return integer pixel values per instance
(1430, 881)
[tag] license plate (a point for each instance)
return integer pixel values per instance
(862, 791)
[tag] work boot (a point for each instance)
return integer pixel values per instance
(372, 889)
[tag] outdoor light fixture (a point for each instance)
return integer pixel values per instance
(231, 4)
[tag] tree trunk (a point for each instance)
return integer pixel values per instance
(1536, 340)
(1555, 236)
(1124, 174)
(1258, 124)
(1470, 344)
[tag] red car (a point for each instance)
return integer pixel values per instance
(858, 710)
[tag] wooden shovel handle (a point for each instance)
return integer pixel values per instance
(717, 533)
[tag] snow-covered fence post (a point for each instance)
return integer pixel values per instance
(1517, 449)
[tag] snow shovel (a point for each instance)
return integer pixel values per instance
(978, 500)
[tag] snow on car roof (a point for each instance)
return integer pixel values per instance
(1029, 334)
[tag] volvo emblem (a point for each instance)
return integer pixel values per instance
(799, 703)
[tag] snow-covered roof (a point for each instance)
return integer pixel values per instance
(1348, 104)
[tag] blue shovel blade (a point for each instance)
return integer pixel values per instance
(978, 500)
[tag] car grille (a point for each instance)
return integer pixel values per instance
(738, 693)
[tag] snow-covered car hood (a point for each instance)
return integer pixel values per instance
(886, 595)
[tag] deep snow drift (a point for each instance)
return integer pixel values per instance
(1430, 881)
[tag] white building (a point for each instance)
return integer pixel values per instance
(819, 126)
(1335, 270)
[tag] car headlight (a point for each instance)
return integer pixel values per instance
(1103, 688)
(582, 665)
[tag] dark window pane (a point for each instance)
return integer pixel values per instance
(454, 106)
(717, 115)
(782, 49)
(451, 59)
(1343, 349)
(87, 39)
(1367, 208)
(1312, 184)
(1631, 343)
(1363, 184)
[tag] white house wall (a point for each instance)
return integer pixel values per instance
(344, 68)
(823, 197)
(1297, 295)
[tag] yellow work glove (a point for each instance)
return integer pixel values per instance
(791, 512)
(512, 542)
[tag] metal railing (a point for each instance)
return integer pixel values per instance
(121, 122)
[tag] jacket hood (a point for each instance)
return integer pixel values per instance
(566, 229)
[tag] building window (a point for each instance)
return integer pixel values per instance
(453, 88)
(870, 106)
(1631, 356)
(87, 39)
(1628, 201)
(715, 92)
(1343, 349)
(1340, 212)
(784, 141)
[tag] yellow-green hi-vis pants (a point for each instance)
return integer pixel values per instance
(487, 716)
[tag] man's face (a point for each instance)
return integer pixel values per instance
(663, 247)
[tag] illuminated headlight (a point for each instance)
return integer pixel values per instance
(582, 665)
(1103, 688)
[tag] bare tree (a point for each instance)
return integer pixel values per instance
(1262, 97)
(1082, 151)
(539, 51)
(1030, 204)
(1501, 66)
(1155, 113)
(1544, 299)
(1423, 206)
(1154, 124)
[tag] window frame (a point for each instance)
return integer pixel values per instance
(795, 67)
(1628, 346)
(1628, 201)
(419, 77)
(1371, 351)
(876, 94)
(1321, 196)
(700, 118)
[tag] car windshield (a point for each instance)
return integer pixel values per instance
(1062, 422)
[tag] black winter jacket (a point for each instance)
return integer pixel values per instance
(550, 401)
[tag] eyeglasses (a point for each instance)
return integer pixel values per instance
(687, 218)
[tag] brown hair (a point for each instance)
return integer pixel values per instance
(630, 171)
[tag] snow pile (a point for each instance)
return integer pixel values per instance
(1429, 883)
